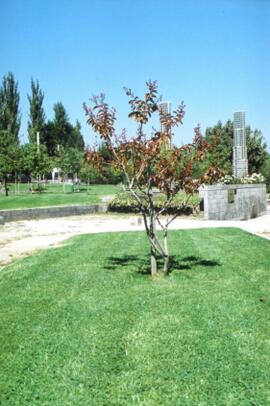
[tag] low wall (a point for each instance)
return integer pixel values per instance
(47, 212)
(233, 202)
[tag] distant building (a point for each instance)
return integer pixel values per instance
(240, 161)
(165, 107)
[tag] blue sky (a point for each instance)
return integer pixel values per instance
(213, 54)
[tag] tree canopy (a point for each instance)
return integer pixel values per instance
(148, 162)
(37, 116)
(10, 118)
(223, 153)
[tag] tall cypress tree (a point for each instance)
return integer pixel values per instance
(76, 138)
(10, 118)
(66, 134)
(62, 126)
(36, 113)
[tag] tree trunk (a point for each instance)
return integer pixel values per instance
(153, 261)
(153, 249)
(6, 186)
(64, 184)
(166, 265)
(166, 256)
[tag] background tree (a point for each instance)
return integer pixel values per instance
(9, 157)
(36, 113)
(106, 173)
(60, 131)
(266, 172)
(147, 162)
(62, 126)
(256, 149)
(69, 160)
(35, 162)
(49, 138)
(10, 119)
(223, 153)
(76, 138)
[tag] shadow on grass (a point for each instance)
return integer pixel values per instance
(141, 264)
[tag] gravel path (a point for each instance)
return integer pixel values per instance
(21, 238)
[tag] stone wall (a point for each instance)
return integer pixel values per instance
(47, 212)
(233, 202)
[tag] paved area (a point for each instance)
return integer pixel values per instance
(21, 238)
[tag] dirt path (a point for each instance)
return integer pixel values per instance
(21, 238)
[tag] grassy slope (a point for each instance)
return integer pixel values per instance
(54, 196)
(81, 326)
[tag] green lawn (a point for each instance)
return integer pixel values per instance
(84, 324)
(55, 196)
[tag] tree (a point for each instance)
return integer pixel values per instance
(76, 139)
(256, 149)
(223, 153)
(36, 114)
(266, 172)
(49, 138)
(61, 124)
(69, 160)
(9, 156)
(10, 119)
(35, 162)
(61, 132)
(147, 162)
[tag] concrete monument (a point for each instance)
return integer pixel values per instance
(240, 161)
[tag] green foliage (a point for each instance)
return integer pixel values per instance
(76, 137)
(106, 176)
(125, 202)
(9, 156)
(69, 160)
(106, 173)
(10, 119)
(62, 127)
(257, 150)
(223, 154)
(35, 162)
(36, 113)
(266, 173)
(84, 324)
(61, 132)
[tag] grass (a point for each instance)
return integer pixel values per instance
(84, 325)
(55, 196)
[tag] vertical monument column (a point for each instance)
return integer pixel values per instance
(165, 108)
(240, 161)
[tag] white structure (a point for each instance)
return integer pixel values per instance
(55, 175)
(240, 162)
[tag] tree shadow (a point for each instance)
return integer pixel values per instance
(141, 264)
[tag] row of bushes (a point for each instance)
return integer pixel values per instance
(124, 202)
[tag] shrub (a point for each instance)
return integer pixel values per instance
(254, 178)
(124, 202)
